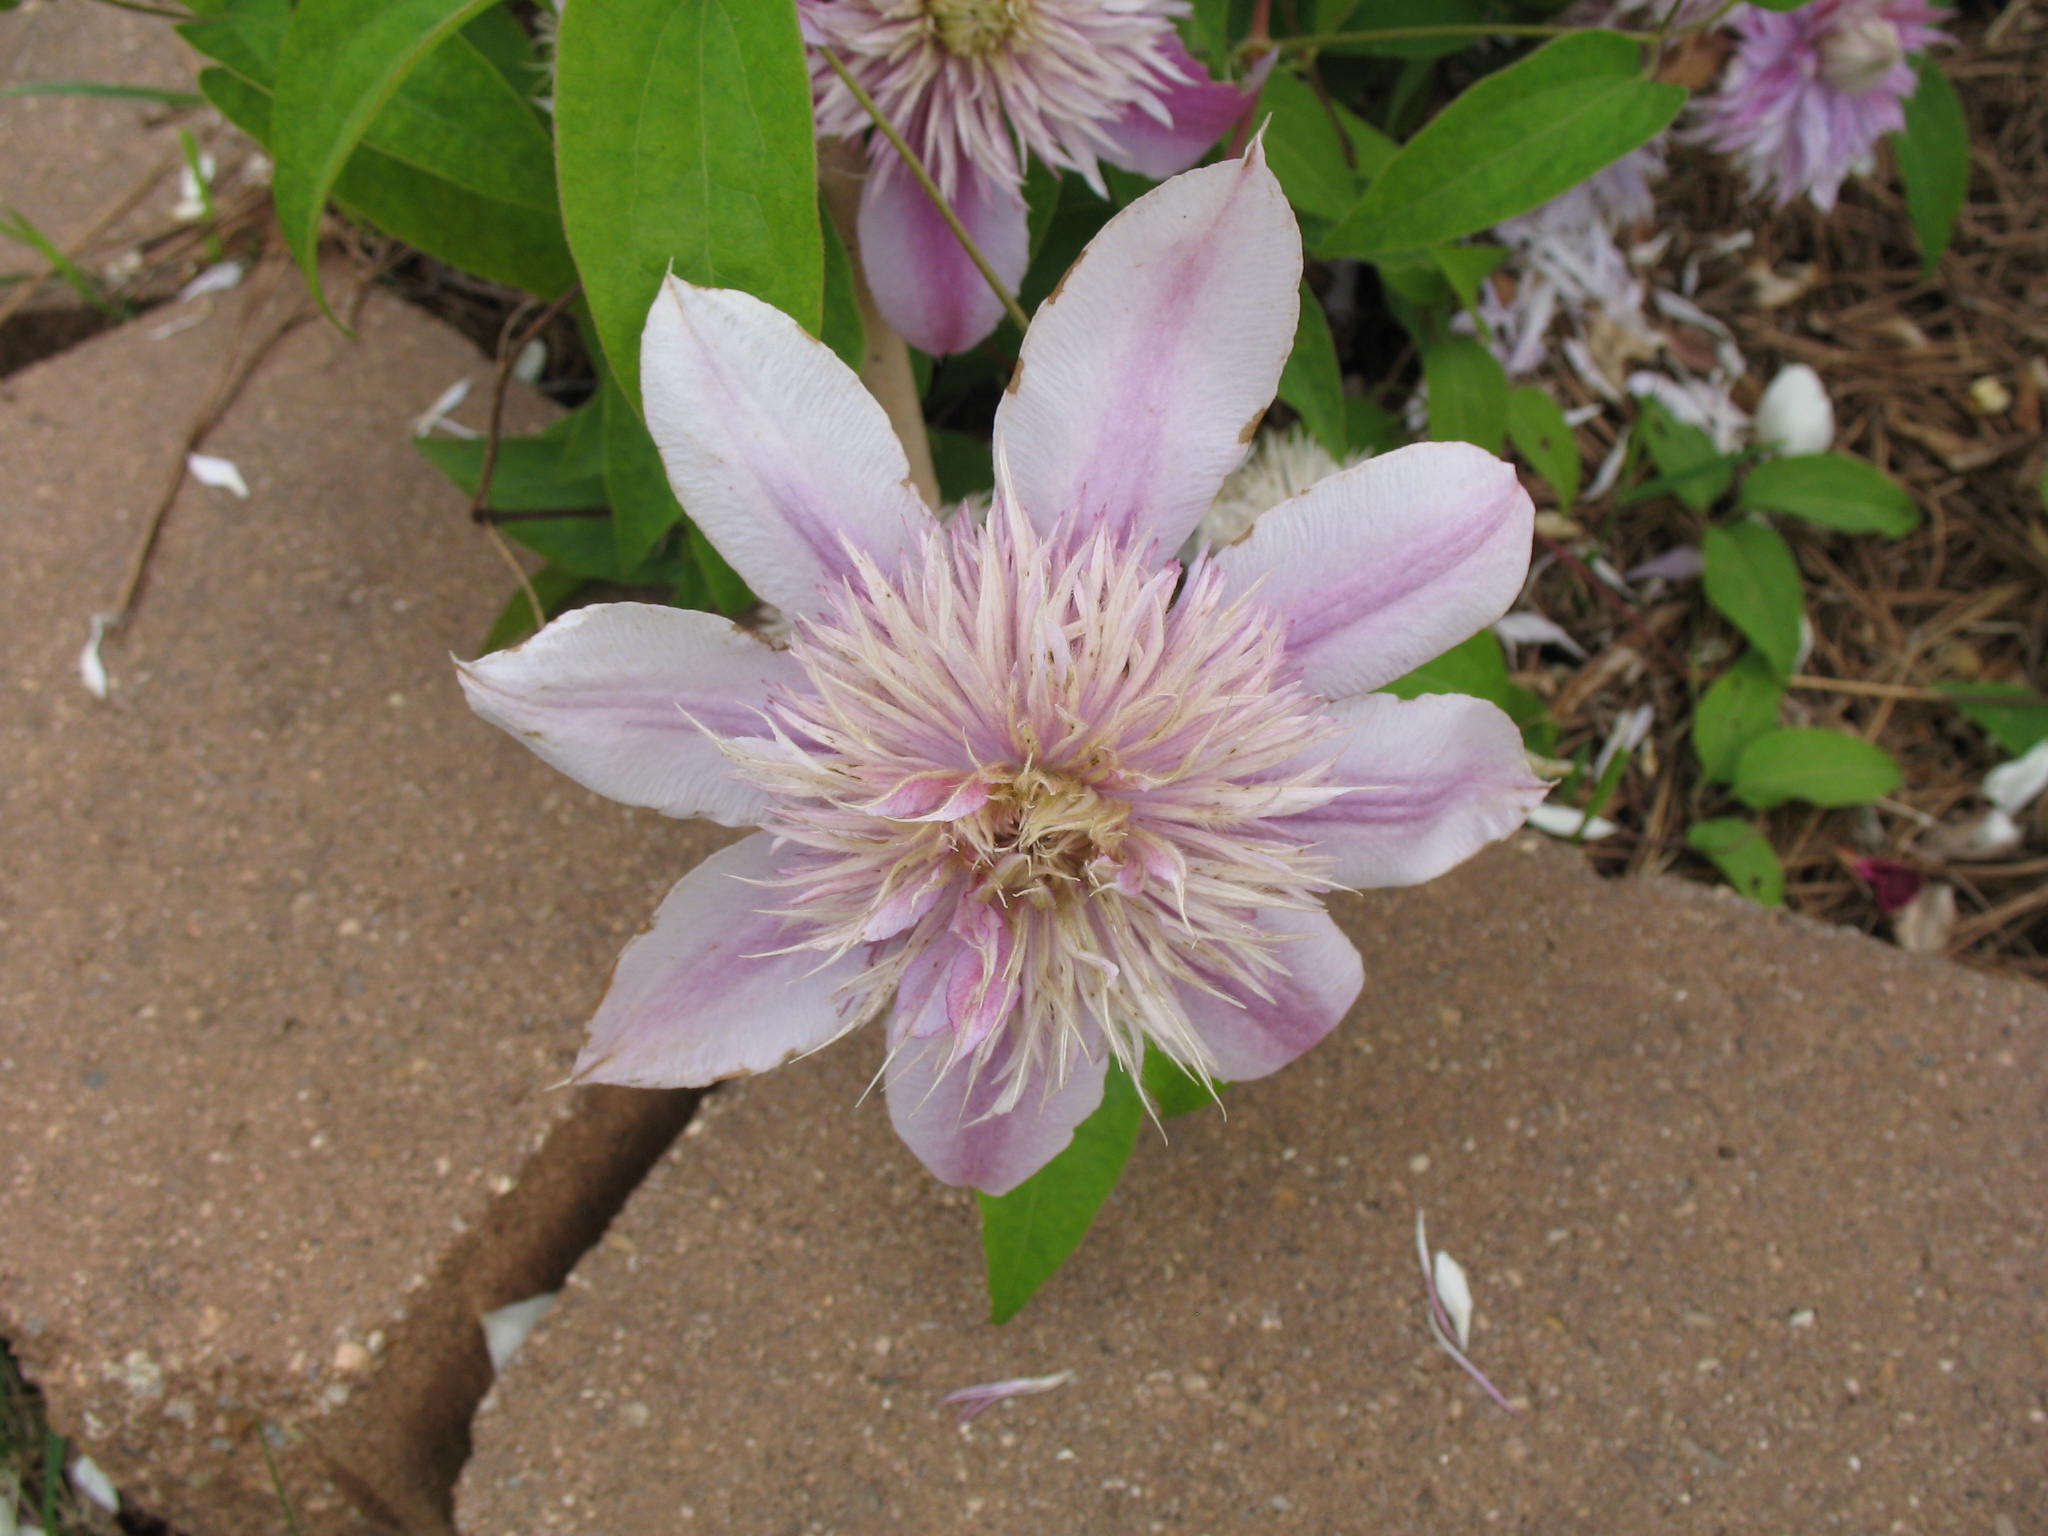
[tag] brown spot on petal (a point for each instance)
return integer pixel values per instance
(1251, 428)
(1016, 378)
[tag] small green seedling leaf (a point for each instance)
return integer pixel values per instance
(1819, 767)
(1741, 706)
(1543, 437)
(1468, 392)
(1834, 491)
(1689, 466)
(1743, 854)
(2019, 726)
(1465, 267)
(1752, 578)
(1027, 1234)
(1934, 159)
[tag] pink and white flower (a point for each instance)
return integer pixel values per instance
(977, 86)
(1029, 791)
(1808, 93)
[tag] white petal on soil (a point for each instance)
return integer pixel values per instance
(436, 414)
(91, 670)
(531, 363)
(2014, 786)
(1989, 835)
(1924, 924)
(218, 473)
(1630, 727)
(1795, 415)
(1534, 629)
(1566, 821)
(94, 1484)
(506, 1328)
(977, 1399)
(1455, 1292)
(218, 278)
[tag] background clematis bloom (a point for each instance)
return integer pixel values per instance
(1029, 792)
(976, 85)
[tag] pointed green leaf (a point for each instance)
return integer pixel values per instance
(1819, 767)
(1689, 466)
(1741, 706)
(1934, 159)
(643, 506)
(1743, 854)
(1468, 392)
(1753, 579)
(844, 331)
(2015, 716)
(1834, 491)
(1027, 1234)
(1543, 437)
(1312, 382)
(1305, 148)
(553, 586)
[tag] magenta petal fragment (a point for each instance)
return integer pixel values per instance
(772, 445)
(628, 699)
(1384, 565)
(922, 278)
(1441, 777)
(700, 996)
(1249, 1036)
(1144, 375)
(941, 1109)
(1202, 109)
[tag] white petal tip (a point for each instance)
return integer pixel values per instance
(221, 474)
(505, 1329)
(92, 671)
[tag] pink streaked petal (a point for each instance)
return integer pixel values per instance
(772, 445)
(701, 996)
(1202, 109)
(921, 276)
(1445, 776)
(1389, 563)
(1250, 1036)
(970, 1402)
(982, 983)
(620, 696)
(935, 794)
(948, 1125)
(1145, 374)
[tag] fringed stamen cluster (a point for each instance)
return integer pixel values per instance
(1041, 789)
(987, 82)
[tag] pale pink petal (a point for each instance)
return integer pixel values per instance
(701, 996)
(771, 443)
(1248, 1035)
(948, 1124)
(1145, 374)
(620, 697)
(1441, 777)
(1389, 563)
(1203, 110)
(921, 276)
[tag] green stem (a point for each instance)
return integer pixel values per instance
(931, 189)
(1407, 34)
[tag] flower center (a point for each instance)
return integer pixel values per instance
(1859, 53)
(1043, 837)
(974, 29)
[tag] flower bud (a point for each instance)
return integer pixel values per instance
(1794, 415)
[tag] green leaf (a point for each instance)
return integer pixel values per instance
(1819, 767)
(530, 475)
(1741, 706)
(343, 63)
(104, 88)
(1834, 491)
(723, 586)
(1390, 15)
(2018, 726)
(247, 37)
(553, 586)
(498, 36)
(844, 331)
(643, 506)
(1465, 267)
(1742, 853)
(1516, 138)
(1371, 428)
(1543, 437)
(1468, 392)
(1027, 1234)
(964, 462)
(684, 135)
(1689, 466)
(1172, 1089)
(1477, 667)
(1753, 579)
(1934, 159)
(1305, 148)
(1312, 382)
(521, 247)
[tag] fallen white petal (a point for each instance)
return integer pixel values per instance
(506, 1328)
(91, 670)
(436, 414)
(1681, 562)
(1455, 1292)
(978, 1399)
(531, 363)
(1924, 924)
(218, 278)
(2014, 786)
(94, 1484)
(1450, 1301)
(183, 323)
(1630, 727)
(191, 204)
(1609, 471)
(1795, 415)
(1564, 821)
(1989, 835)
(1534, 629)
(220, 473)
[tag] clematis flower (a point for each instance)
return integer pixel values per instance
(1030, 792)
(974, 86)
(1808, 93)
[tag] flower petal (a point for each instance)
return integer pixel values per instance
(620, 696)
(1202, 110)
(922, 278)
(771, 443)
(1145, 374)
(1250, 1036)
(1442, 776)
(699, 997)
(1390, 562)
(947, 1123)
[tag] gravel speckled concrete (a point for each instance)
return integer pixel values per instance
(1754, 1211)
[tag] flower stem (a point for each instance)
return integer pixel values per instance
(1467, 29)
(931, 188)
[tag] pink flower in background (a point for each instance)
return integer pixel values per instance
(976, 86)
(1029, 791)
(1809, 92)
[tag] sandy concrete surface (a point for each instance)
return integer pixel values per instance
(1753, 1210)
